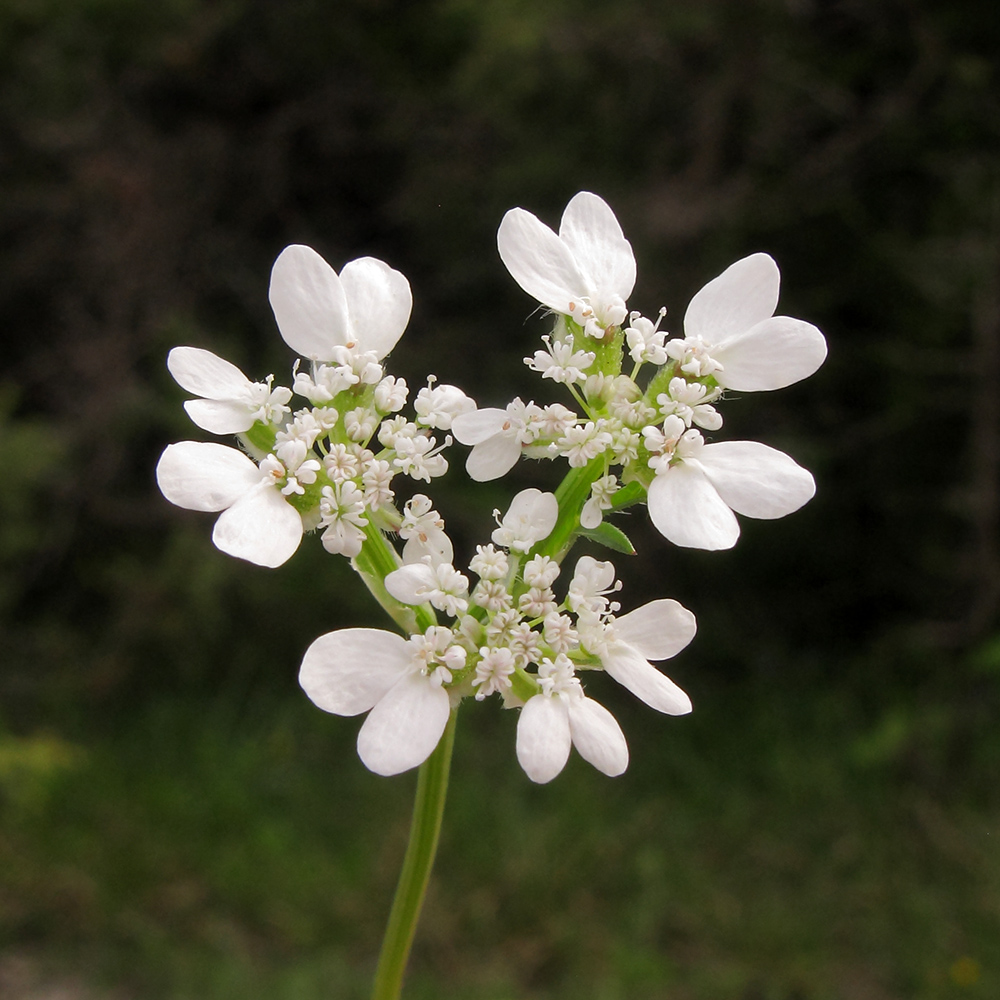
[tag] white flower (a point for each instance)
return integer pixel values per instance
(691, 502)
(390, 394)
(655, 631)
(691, 402)
(586, 272)
(257, 523)
(560, 362)
(562, 716)
(360, 423)
(342, 516)
(645, 339)
(230, 403)
(531, 517)
(438, 405)
(325, 382)
(731, 321)
(493, 671)
(341, 463)
(584, 442)
(489, 563)
(440, 584)
(418, 458)
(541, 571)
(601, 492)
(592, 580)
(365, 308)
(497, 437)
(423, 531)
(377, 482)
(399, 682)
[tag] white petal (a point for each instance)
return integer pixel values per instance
(434, 544)
(756, 480)
(493, 458)
(597, 736)
(200, 475)
(206, 374)
(261, 527)
(346, 672)
(379, 301)
(540, 510)
(687, 509)
(600, 249)
(591, 515)
(309, 303)
(770, 355)
(404, 583)
(220, 416)
(742, 296)
(637, 674)
(543, 738)
(478, 426)
(657, 630)
(541, 263)
(405, 726)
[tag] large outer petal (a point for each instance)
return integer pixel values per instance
(309, 303)
(201, 475)
(597, 736)
(493, 458)
(756, 480)
(543, 737)
(745, 294)
(261, 527)
(405, 582)
(346, 672)
(687, 509)
(379, 301)
(636, 673)
(770, 355)
(657, 630)
(479, 425)
(405, 726)
(206, 374)
(220, 416)
(539, 261)
(600, 249)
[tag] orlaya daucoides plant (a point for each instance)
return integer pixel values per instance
(632, 424)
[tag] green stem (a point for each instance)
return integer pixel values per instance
(571, 494)
(428, 809)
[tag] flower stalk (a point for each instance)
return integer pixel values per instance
(425, 830)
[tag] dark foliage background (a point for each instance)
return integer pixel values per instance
(155, 158)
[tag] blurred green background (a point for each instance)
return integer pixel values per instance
(179, 822)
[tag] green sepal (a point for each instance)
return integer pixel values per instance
(611, 537)
(260, 437)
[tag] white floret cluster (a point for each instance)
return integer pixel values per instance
(652, 435)
(328, 466)
(525, 631)
(510, 636)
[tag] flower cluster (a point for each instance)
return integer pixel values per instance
(654, 435)
(525, 631)
(328, 466)
(510, 636)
